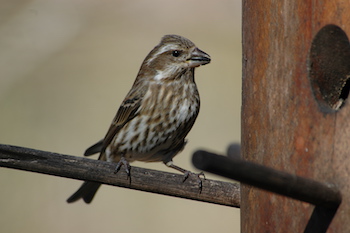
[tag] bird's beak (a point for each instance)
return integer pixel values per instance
(198, 58)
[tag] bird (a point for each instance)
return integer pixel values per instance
(156, 115)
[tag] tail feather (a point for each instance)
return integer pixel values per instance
(87, 192)
(88, 189)
(94, 149)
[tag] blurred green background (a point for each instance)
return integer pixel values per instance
(65, 67)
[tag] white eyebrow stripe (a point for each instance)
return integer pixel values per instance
(166, 48)
(162, 50)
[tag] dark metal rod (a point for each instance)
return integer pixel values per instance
(320, 220)
(269, 179)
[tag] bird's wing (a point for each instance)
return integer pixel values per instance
(126, 112)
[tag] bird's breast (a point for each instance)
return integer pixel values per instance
(166, 115)
(171, 103)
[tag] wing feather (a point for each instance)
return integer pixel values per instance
(128, 110)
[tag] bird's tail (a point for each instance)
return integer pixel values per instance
(96, 148)
(87, 192)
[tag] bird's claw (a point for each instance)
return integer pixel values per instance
(197, 176)
(126, 164)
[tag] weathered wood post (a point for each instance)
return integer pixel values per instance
(295, 71)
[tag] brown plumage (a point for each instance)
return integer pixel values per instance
(157, 113)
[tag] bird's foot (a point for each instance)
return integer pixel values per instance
(196, 176)
(126, 164)
(188, 174)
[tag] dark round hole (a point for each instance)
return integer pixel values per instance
(329, 68)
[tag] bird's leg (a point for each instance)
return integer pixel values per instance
(188, 173)
(124, 162)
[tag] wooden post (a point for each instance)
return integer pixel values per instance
(283, 125)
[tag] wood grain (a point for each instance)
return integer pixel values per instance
(283, 126)
(216, 192)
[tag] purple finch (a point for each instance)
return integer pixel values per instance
(157, 113)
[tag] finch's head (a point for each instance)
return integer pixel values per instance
(175, 53)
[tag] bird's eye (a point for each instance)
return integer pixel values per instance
(176, 53)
